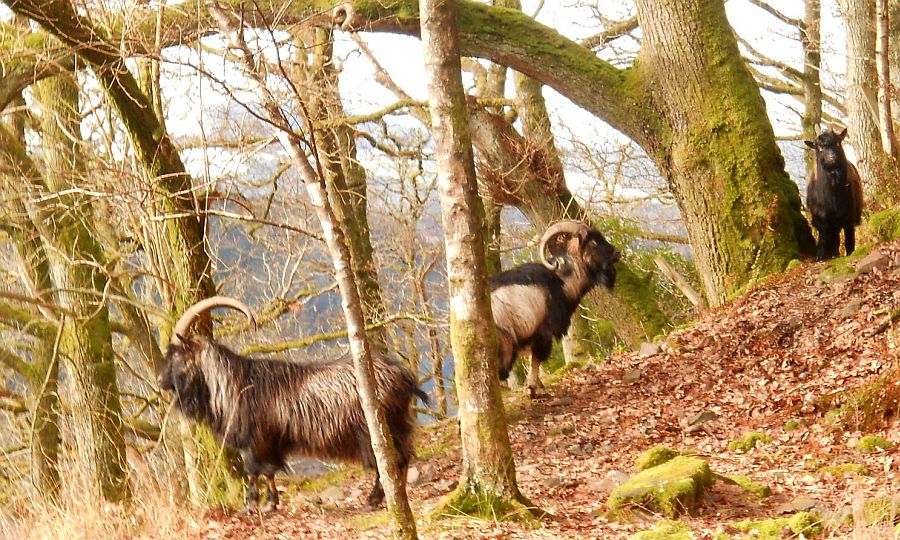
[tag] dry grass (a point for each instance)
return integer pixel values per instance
(156, 510)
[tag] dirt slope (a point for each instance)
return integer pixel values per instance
(763, 361)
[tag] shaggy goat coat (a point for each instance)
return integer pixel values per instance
(268, 409)
(834, 195)
(533, 305)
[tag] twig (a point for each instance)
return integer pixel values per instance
(886, 323)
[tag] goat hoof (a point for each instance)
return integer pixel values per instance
(269, 508)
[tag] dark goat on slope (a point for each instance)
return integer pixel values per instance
(269, 409)
(834, 195)
(533, 303)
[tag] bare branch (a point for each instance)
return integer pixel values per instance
(615, 31)
(798, 23)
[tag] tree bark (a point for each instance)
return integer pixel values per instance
(76, 267)
(862, 106)
(175, 247)
(488, 470)
(882, 53)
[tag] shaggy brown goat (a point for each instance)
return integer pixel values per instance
(834, 195)
(533, 303)
(269, 409)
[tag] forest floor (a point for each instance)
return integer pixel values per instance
(774, 361)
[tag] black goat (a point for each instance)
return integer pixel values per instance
(834, 195)
(268, 409)
(533, 303)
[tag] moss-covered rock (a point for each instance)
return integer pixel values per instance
(791, 425)
(800, 523)
(671, 489)
(655, 456)
(666, 530)
(755, 488)
(749, 441)
(845, 469)
(873, 443)
(885, 224)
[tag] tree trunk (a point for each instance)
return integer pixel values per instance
(43, 378)
(741, 210)
(862, 103)
(811, 42)
(487, 484)
(882, 52)
(393, 478)
(346, 181)
(175, 248)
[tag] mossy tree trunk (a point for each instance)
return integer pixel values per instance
(43, 372)
(346, 181)
(716, 147)
(76, 265)
(175, 247)
(488, 470)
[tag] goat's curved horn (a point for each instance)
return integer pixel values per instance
(191, 313)
(566, 226)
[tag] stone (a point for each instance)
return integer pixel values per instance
(702, 418)
(648, 349)
(632, 375)
(849, 310)
(872, 261)
(605, 485)
(565, 400)
(576, 450)
(553, 482)
(800, 504)
(671, 489)
(412, 476)
(332, 494)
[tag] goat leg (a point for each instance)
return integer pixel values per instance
(534, 377)
(252, 501)
(271, 495)
(849, 239)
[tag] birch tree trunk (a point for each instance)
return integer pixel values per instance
(392, 477)
(882, 53)
(862, 103)
(487, 484)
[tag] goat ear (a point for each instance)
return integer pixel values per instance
(810, 144)
(842, 134)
